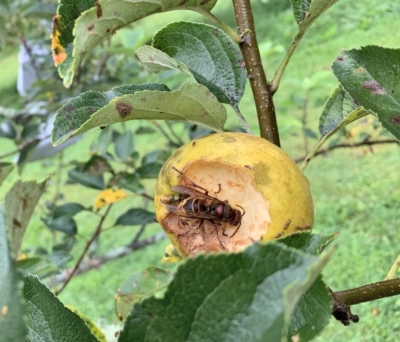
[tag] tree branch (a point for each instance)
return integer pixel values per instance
(258, 81)
(345, 145)
(108, 256)
(85, 250)
(343, 299)
(369, 292)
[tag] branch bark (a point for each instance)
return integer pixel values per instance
(111, 255)
(358, 144)
(342, 300)
(258, 81)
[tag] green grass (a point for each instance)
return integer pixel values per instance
(359, 200)
(356, 192)
(8, 79)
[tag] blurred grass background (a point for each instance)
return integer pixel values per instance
(356, 191)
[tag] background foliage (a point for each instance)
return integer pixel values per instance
(352, 195)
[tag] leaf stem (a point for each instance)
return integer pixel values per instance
(393, 270)
(165, 134)
(243, 121)
(274, 85)
(258, 81)
(224, 27)
(173, 133)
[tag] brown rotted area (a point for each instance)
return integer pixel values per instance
(237, 214)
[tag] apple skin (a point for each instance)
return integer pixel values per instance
(244, 171)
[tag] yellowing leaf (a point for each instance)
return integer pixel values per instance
(94, 329)
(109, 196)
(171, 254)
(59, 53)
(23, 256)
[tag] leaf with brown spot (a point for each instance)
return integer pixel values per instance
(12, 308)
(370, 75)
(19, 204)
(105, 17)
(192, 103)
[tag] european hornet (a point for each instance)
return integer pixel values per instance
(195, 204)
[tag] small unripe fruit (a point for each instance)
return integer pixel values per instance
(255, 177)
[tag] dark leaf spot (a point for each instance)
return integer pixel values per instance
(395, 120)
(90, 27)
(24, 203)
(374, 86)
(123, 109)
(340, 58)
(99, 11)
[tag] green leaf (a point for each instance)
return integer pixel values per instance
(306, 11)
(124, 145)
(105, 138)
(213, 59)
(155, 60)
(25, 153)
(371, 76)
(307, 242)
(19, 204)
(109, 16)
(67, 209)
(63, 224)
(150, 282)
(79, 110)
(97, 165)
(48, 319)
(129, 181)
(339, 111)
(246, 296)
(310, 133)
(312, 313)
(12, 311)
(149, 170)
(94, 182)
(135, 217)
(94, 329)
(192, 102)
(5, 170)
(7, 130)
(44, 266)
(60, 218)
(40, 10)
(300, 9)
(154, 156)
